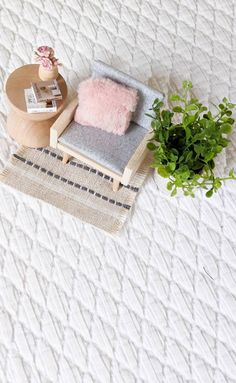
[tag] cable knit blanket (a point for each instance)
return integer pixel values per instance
(158, 302)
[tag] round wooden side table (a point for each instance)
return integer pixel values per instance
(29, 129)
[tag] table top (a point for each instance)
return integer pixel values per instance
(21, 79)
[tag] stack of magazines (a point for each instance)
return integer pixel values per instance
(42, 97)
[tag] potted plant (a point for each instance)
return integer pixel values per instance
(186, 141)
(48, 64)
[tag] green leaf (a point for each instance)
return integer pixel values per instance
(209, 156)
(219, 148)
(169, 185)
(191, 107)
(175, 97)
(186, 84)
(224, 142)
(231, 173)
(178, 109)
(226, 128)
(163, 171)
(151, 146)
(188, 119)
(174, 192)
(209, 193)
(171, 166)
(198, 149)
(157, 103)
(217, 183)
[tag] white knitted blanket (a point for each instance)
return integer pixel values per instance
(157, 303)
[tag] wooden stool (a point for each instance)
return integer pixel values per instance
(30, 129)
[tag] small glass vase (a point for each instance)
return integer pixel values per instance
(48, 74)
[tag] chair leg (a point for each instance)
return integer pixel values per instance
(115, 185)
(65, 158)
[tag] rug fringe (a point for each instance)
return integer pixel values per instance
(4, 174)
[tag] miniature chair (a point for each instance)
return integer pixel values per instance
(116, 156)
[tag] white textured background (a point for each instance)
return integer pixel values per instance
(157, 303)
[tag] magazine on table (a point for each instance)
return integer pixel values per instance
(38, 107)
(46, 90)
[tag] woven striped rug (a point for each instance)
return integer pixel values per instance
(75, 187)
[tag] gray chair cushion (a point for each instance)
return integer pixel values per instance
(146, 94)
(108, 149)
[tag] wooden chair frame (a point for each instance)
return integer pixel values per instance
(60, 125)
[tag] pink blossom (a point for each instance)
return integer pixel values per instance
(44, 55)
(45, 51)
(46, 63)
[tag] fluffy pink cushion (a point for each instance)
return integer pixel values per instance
(105, 104)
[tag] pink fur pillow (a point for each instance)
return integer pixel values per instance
(105, 104)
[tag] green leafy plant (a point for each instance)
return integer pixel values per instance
(184, 150)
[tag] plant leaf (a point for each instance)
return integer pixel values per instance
(178, 109)
(209, 193)
(169, 185)
(151, 146)
(226, 128)
(175, 97)
(191, 107)
(186, 84)
(163, 171)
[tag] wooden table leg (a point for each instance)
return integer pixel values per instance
(34, 134)
(115, 185)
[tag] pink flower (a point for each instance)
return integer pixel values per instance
(46, 63)
(44, 55)
(45, 51)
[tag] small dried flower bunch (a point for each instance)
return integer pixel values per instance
(44, 55)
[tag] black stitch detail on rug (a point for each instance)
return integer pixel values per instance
(87, 168)
(19, 158)
(56, 176)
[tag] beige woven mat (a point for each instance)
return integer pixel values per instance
(75, 187)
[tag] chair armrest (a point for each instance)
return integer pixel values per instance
(136, 159)
(62, 122)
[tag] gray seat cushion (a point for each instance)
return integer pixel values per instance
(108, 149)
